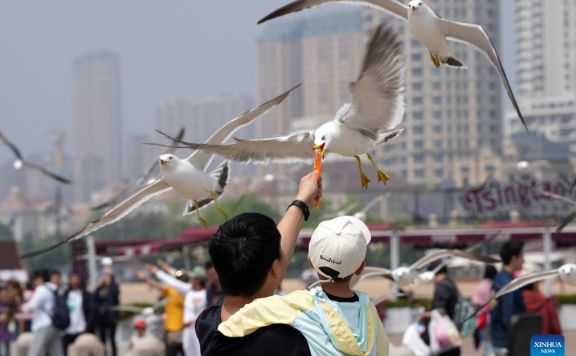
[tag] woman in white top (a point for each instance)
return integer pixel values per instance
(194, 303)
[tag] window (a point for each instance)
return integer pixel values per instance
(437, 129)
(418, 144)
(438, 173)
(419, 173)
(417, 100)
(436, 85)
(438, 158)
(417, 86)
(418, 130)
(418, 115)
(465, 170)
(437, 115)
(418, 158)
(417, 57)
(437, 100)
(417, 72)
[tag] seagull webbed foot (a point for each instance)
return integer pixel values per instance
(365, 180)
(200, 220)
(382, 177)
(218, 207)
(435, 59)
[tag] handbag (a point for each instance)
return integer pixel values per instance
(443, 333)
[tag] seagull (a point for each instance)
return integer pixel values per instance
(567, 273)
(377, 106)
(428, 28)
(146, 177)
(428, 277)
(404, 276)
(188, 177)
(20, 162)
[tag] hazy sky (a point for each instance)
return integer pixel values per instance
(176, 48)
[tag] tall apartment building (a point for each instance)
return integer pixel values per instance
(170, 116)
(450, 113)
(97, 116)
(545, 33)
(139, 156)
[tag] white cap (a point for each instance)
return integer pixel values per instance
(339, 244)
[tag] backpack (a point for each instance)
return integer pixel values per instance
(464, 309)
(61, 313)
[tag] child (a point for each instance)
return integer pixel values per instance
(333, 318)
(139, 333)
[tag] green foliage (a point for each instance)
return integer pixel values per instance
(403, 303)
(5, 232)
(128, 314)
(566, 299)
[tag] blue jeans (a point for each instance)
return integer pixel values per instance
(486, 341)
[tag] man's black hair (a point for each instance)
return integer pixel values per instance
(490, 272)
(242, 251)
(208, 265)
(41, 273)
(509, 250)
(55, 273)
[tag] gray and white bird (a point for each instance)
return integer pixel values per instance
(147, 177)
(20, 162)
(431, 30)
(188, 177)
(404, 276)
(377, 106)
(567, 273)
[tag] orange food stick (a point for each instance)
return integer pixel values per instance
(318, 168)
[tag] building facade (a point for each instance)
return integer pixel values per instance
(97, 115)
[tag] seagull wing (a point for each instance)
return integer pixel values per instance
(392, 7)
(297, 147)
(470, 249)
(476, 36)
(434, 256)
(115, 214)
(10, 145)
(201, 159)
(567, 220)
(45, 172)
(377, 96)
(517, 284)
(386, 297)
(558, 197)
(161, 303)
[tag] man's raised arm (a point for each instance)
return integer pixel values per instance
(310, 189)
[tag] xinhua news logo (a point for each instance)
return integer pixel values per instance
(547, 345)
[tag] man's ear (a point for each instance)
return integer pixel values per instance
(360, 269)
(310, 262)
(276, 269)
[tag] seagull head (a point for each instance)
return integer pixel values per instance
(148, 311)
(404, 276)
(18, 164)
(415, 5)
(427, 277)
(568, 274)
(168, 161)
(322, 138)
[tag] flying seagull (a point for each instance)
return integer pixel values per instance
(188, 177)
(428, 277)
(147, 177)
(567, 273)
(20, 162)
(377, 106)
(404, 276)
(428, 28)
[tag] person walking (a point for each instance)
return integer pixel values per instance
(42, 304)
(482, 294)
(107, 296)
(446, 297)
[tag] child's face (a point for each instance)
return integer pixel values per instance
(140, 331)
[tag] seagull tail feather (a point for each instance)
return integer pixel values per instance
(221, 174)
(452, 61)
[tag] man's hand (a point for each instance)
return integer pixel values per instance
(310, 189)
(140, 275)
(152, 269)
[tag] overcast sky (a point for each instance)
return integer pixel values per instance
(177, 48)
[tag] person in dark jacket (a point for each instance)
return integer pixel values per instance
(250, 255)
(80, 304)
(510, 304)
(107, 296)
(446, 295)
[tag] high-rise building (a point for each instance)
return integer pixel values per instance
(450, 113)
(87, 178)
(97, 114)
(546, 68)
(171, 115)
(211, 113)
(139, 156)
